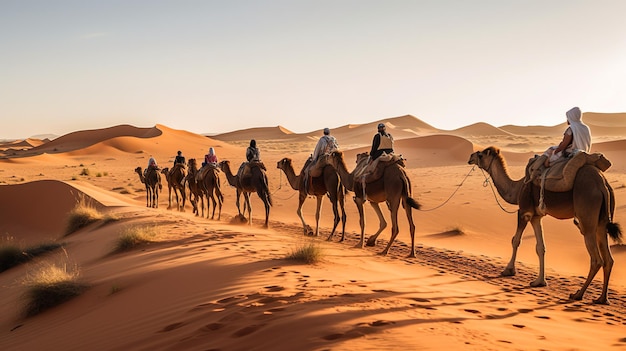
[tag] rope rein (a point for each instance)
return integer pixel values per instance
(494, 193)
(453, 193)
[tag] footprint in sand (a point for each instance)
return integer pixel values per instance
(172, 327)
(332, 337)
(247, 330)
(274, 288)
(471, 311)
(212, 327)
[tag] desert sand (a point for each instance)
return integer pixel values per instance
(209, 284)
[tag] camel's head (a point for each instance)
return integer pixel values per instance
(484, 158)
(335, 158)
(165, 170)
(284, 163)
(192, 163)
(138, 170)
(361, 156)
(223, 164)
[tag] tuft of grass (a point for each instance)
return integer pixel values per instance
(49, 287)
(456, 230)
(12, 255)
(134, 236)
(308, 253)
(84, 172)
(81, 216)
(98, 175)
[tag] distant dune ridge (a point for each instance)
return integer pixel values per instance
(208, 284)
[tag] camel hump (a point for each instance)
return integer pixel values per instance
(560, 176)
(258, 164)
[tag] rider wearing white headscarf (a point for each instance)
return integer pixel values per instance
(581, 133)
(577, 137)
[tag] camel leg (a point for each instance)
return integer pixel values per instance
(515, 243)
(594, 264)
(318, 210)
(246, 197)
(220, 200)
(382, 224)
(359, 205)
(607, 260)
(540, 248)
(333, 202)
(342, 204)
(393, 207)
(409, 216)
(306, 229)
(147, 196)
(169, 197)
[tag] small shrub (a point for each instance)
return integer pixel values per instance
(81, 216)
(49, 287)
(12, 255)
(84, 172)
(98, 175)
(456, 230)
(135, 236)
(308, 253)
(105, 173)
(74, 177)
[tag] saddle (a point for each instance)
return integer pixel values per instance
(371, 172)
(316, 168)
(559, 177)
(247, 167)
(202, 172)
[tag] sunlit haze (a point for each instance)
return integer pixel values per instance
(219, 66)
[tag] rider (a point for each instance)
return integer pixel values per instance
(325, 145)
(381, 144)
(211, 157)
(152, 164)
(252, 155)
(576, 137)
(180, 159)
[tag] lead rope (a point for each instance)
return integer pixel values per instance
(494, 193)
(453, 193)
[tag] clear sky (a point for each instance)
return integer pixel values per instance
(218, 66)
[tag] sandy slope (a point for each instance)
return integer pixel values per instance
(210, 284)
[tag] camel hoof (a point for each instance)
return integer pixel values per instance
(508, 272)
(411, 255)
(538, 283)
(371, 243)
(602, 301)
(577, 296)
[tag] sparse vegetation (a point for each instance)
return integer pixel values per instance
(51, 286)
(12, 255)
(308, 253)
(85, 172)
(134, 236)
(81, 216)
(98, 175)
(457, 230)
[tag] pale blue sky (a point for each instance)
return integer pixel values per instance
(218, 66)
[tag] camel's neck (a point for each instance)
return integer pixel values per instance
(141, 177)
(232, 179)
(507, 188)
(346, 177)
(293, 179)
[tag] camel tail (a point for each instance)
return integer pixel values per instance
(413, 203)
(615, 231)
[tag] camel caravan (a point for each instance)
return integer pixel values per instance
(562, 187)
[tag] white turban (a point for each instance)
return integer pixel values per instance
(580, 131)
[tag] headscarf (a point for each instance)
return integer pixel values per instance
(211, 151)
(580, 131)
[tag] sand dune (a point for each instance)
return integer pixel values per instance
(209, 284)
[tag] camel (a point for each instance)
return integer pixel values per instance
(153, 185)
(327, 184)
(175, 180)
(209, 182)
(195, 191)
(257, 181)
(394, 187)
(591, 203)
